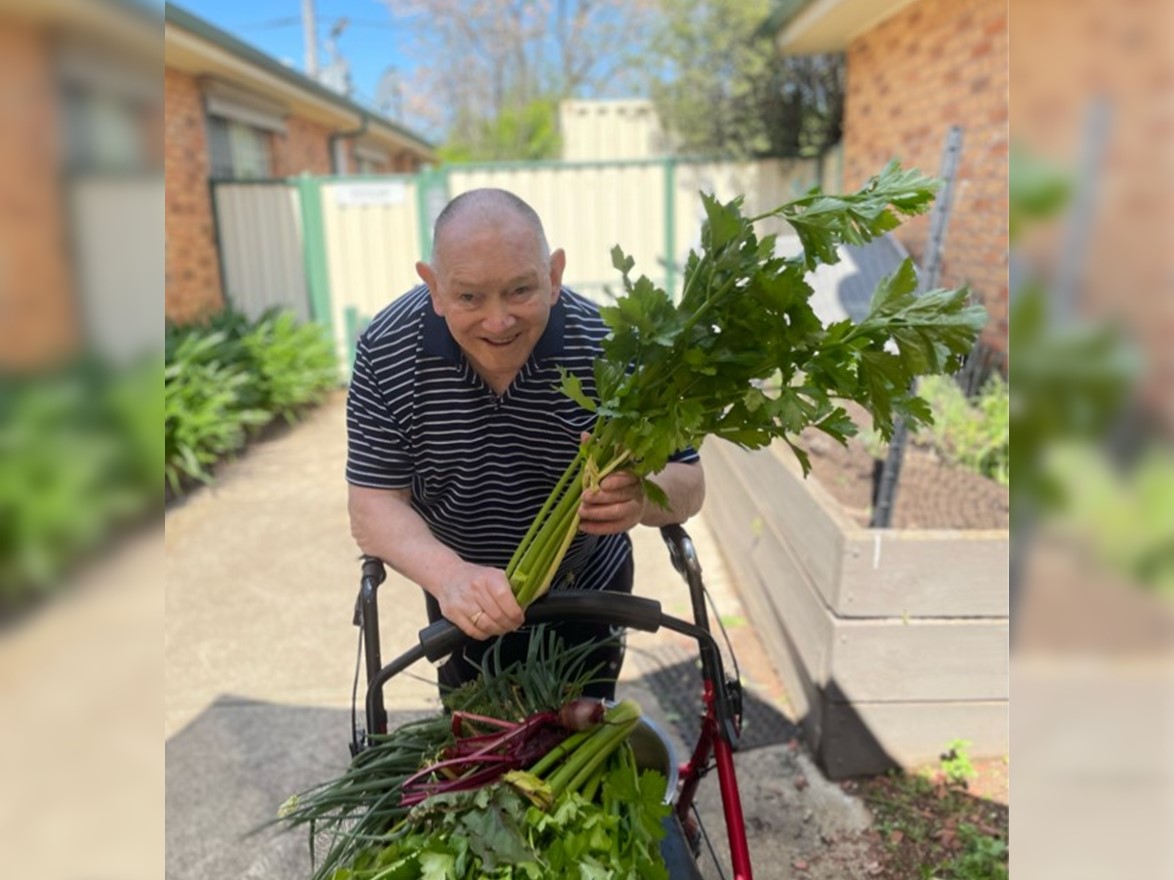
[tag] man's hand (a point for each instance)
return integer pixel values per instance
(479, 601)
(616, 506)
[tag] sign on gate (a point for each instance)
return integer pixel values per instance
(348, 195)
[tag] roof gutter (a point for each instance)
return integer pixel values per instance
(336, 166)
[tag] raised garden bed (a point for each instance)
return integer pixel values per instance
(891, 642)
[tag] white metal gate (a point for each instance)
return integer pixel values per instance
(259, 226)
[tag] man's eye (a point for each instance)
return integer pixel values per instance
(523, 290)
(466, 298)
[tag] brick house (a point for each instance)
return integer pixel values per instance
(80, 113)
(233, 112)
(914, 68)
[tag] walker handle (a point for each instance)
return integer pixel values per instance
(615, 609)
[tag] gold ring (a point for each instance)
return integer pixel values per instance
(477, 616)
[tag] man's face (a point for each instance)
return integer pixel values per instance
(494, 288)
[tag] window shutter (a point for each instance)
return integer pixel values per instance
(234, 103)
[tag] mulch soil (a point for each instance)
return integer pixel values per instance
(931, 493)
(919, 819)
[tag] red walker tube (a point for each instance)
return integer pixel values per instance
(732, 805)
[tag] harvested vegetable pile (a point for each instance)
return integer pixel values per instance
(524, 779)
(743, 356)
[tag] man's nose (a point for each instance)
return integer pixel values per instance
(499, 317)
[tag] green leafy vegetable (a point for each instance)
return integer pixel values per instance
(489, 791)
(744, 357)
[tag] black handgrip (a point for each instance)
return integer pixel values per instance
(440, 639)
(373, 568)
(614, 609)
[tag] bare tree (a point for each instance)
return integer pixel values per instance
(479, 62)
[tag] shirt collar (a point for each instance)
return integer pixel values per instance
(438, 341)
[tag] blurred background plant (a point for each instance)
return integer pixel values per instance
(79, 460)
(81, 448)
(1089, 466)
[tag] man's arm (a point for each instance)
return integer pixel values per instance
(619, 503)
(384, 524)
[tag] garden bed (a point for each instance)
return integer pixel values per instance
(891, 642)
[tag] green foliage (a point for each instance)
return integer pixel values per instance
(496, 832)
(721, 88)
(204, 412)
(79, 458)
(1124, 514)
(932, 829)
(974, 434)
(1068, 382)
(525, 132)
(955, 762)
(743, 356)
(982, 857)
(294, 365)
(230, 375)
(1038, 191)
(700, 366)
(359, 830)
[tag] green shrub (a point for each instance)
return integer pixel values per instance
(294, 364)
(204, 410)
(78, 459)
(973, 434)
(980, 857)
(956, 764)
(230, 375)
(1123, 513)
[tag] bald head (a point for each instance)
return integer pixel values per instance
(483, 209)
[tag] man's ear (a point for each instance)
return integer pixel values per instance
(558, 262)
(428, 276)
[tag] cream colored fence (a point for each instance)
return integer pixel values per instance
(587, 210)
(652, 208)
(372, 242)
(339, 249)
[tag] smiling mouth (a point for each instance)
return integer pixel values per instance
(501, 343)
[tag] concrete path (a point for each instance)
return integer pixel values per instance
(260, 658)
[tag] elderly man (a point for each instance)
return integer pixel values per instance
(457, 431)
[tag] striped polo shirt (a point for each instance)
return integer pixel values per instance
(479, 465)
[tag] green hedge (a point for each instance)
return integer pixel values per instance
(228, 377)
(80, 453)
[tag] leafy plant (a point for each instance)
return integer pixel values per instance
(982, 857)
(974, 434)
(1124, 514)
(934, 829)
(78, 459)
(294, 364)
(204, 415)
(956, 764)
(672, 374)
(228, 376)
(535, 783)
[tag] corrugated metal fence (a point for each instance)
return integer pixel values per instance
(339, 249)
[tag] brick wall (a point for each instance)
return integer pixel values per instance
(934, 64)
(1065, 52)
(193, 268)
(38, 316)
(305, 146)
